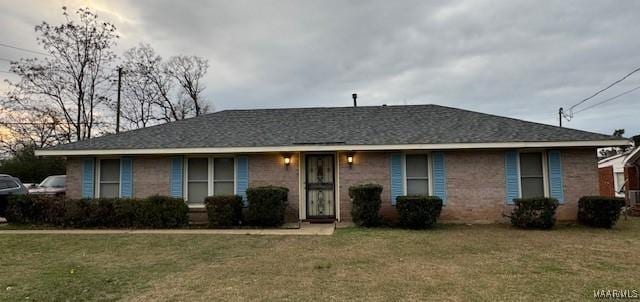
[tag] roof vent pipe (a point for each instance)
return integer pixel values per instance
(355, 96)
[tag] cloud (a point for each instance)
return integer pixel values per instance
(523, 59)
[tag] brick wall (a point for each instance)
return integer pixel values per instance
(269, 169)
(475, 186)
(580, 169)
(73, 182)
(631, 175)
(605, 181)
(475, 181)
(151, 176)
(368, 167)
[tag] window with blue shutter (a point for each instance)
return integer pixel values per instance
(88, 175)
(439, 176)
(176, 177)
(556, 186)
(242, 177)
(126, 177)
(512, 180)
(397, 177)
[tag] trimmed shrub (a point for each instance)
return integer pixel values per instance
(599, 211)
(154, 211)
(35, 209)
(534, 213)
(418, 212)
(365, 204)
(4, 200)
(76, 213)
(267, 205)
(164, 212)
(224, 210)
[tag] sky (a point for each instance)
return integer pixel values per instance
(522, 59)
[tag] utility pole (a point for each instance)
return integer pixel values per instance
(560, 113)
(118, 102)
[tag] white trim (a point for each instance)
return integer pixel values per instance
(210, 175)
(302, 190)
(545, 171)
(302, 196)
(336, 185)
(631, 156)
(429, 170)
(96, 176)
(302, 148)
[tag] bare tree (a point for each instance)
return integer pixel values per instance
(173, 88)
(188, 71)
(39, 129)
(140, 92)
(73, 82)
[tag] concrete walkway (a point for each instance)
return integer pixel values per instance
(304, 230)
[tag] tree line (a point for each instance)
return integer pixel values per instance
(70, 94)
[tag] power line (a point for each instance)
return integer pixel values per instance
(25, 50)
(608, 100)
(602, 90)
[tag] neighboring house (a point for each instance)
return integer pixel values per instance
(477, 163)
(632, 178)
(611, 175)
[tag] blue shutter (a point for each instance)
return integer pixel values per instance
(397, 177)
(242, 177)
(88, 174)
(556, 187)
(126, 177)
(511, 176)
(439, 176)
(176, 178)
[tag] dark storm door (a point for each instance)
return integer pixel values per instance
(320, 181)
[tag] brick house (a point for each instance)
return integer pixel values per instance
(477, 163)
(611, 175)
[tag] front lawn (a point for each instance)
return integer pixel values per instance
(451, 262)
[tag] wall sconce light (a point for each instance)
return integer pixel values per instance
(287, 160)
(350, 160)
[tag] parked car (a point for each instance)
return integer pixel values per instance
(52, 185)
(9, 185)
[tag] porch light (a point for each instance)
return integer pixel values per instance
(350, 159)
(287, 160)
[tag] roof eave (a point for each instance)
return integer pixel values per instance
(304, 148)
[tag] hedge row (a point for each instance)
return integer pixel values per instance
(152, 212)
(599, 211)
(266, 207)
(594, 211)
(418, 212)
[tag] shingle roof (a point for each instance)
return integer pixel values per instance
(380, 125)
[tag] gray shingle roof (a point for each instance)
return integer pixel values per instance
(380, 125)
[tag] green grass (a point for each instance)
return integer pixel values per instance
(451, 262)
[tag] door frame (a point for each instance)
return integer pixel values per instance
(302, 173)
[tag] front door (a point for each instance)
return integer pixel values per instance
(320, 186)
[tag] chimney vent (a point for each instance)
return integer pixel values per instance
(355, 96)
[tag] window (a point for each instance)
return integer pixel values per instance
(197, 180)
(209, 176)
(109, 178)
(223, 176)
(417, 170)
(7, 184)
(531, 175)
(619, 183)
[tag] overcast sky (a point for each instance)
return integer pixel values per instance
(521, 59)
